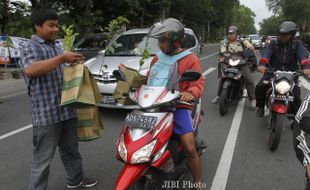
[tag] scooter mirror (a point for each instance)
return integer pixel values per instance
(190, 76)
(119, 75)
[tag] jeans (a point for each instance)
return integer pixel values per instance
(45, 141)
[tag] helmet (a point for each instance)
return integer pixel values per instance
(170, 29)
(287, 27)
(233, 29)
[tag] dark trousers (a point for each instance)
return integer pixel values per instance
(261, 90)
(45, 141)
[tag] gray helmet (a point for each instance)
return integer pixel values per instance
(170, 29)
(287, 27)
(233, 29)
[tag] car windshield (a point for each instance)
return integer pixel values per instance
(96, 42)
(132, 45)
(255, 37)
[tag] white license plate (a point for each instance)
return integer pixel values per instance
(140, 121)
(108, 100)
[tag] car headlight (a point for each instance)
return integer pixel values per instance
(283, 87)
(122, 151)
(143, 154)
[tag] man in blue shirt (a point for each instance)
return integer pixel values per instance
(53, 125)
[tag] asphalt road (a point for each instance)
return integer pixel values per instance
(251, 167)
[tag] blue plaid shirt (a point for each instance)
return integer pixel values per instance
(45, 91)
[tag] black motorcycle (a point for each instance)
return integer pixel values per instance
(232, 81)
(279, 102)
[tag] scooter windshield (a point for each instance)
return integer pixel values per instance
(150, 96)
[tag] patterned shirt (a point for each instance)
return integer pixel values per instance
(45, 91)
(235, 46)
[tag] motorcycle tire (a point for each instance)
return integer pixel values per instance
(140, 184)
(276, 126)
(224, 103)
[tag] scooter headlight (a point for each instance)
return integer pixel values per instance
(283, 87)
(143, 154)
(234, 63)
(122, 151)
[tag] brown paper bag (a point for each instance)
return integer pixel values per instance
(90, 125)
(79, 87)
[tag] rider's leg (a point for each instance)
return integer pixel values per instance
(297, 99)
(248, 82)
(183, 127)
(188, 143)
(260, 94)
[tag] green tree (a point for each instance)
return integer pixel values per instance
(243, 18)
(270, 25)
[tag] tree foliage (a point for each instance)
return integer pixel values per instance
(208, 18)
(297, 11)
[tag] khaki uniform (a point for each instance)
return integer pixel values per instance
(235, 47)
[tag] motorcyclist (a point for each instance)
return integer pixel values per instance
(234, 46)
(170, 34)
(281, 54)
(307, 42)
(301, 129)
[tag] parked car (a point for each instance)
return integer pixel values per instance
(10, 55)
(255, 40)
(128, 50)
(89, 46)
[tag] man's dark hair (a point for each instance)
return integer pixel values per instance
(40, 15)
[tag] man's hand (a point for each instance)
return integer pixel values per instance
(306, 71)
(71, 57)
(186, 96)
(121, 66)
(308, 171)
(261, 69)
(221, 59)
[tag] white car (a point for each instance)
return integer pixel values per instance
(255, 40)
(128, 51)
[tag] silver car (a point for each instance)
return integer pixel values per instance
(127, 49)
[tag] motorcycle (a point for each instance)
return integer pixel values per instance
(279, 101)
(151, 153)
(233, 85)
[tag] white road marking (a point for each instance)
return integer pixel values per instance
(208, 71)
(15, 132)
(305, 83)
(222, 172)
(14, 94)
(208, 56)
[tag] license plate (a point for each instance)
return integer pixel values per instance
(140, 121)
(231, 70)
(108, 100)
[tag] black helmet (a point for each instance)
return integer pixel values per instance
(287, 27)
(170, 29)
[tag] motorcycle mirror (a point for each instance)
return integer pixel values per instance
(119, 75)
(190, 76)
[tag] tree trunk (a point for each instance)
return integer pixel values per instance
(5, 17)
